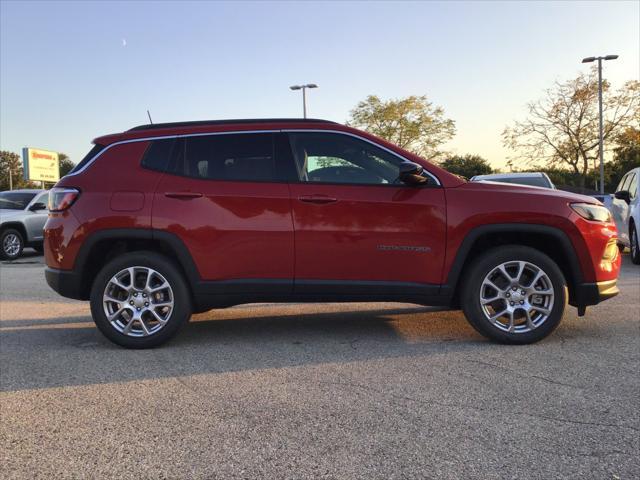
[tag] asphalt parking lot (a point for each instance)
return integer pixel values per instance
(315, 391)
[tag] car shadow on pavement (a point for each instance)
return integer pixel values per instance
(69, 351)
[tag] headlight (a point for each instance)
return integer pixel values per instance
(595, 213)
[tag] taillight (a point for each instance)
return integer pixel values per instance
(62, 198)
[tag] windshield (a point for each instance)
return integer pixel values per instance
(15, 200)
(533, 181)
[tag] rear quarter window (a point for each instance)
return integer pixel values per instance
(158, 154)
(87, 158)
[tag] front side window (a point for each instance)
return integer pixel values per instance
(633, 186)
(337, 158)
(44, 198)
(620, 186)
(245, 157)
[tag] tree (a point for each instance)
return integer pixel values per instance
(65, 164)
(412, 123)
(626, 155)
(11, 162)
(562, 128)
(467, 165)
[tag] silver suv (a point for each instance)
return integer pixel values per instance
(23, 214)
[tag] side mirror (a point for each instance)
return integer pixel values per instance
(411, 173)
(37, 206)
(623, 195)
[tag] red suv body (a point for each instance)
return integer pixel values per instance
(229, 212)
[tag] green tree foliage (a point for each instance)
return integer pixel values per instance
(626, 155)
(562, 130)
(467, 165)
(10, 161)
(412, 123)
(65, 164)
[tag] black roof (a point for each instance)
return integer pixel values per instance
(197, 123)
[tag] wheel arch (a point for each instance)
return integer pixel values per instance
(16, 226)
(544, 238)
(102, 246)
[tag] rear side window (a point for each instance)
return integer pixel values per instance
(158, 154)
(239, 157)
(87, 158)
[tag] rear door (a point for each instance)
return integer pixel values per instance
(357, 228)
(223, 195)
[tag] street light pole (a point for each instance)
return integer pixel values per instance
(601, 119)
(304, 95)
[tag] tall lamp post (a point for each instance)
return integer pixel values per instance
(304, 95)
(601, 148)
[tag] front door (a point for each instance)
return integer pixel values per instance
(357, 228)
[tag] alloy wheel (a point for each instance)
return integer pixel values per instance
(517, 296)
(138, 301)
(11, 245)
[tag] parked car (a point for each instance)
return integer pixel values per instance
(626, 212)
(23, 214)
(534, 179)
(168, 219)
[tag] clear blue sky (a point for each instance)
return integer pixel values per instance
(71, 71)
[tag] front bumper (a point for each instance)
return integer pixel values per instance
(586, 294)
(67, 283)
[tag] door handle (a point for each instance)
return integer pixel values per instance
(183, 195)
(317, 199)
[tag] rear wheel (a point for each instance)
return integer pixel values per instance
(514, 294)
(11, 244)
(140, 300)
(635, 248)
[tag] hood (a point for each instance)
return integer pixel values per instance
(499, 187)
(7, 213)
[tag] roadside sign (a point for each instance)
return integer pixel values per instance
(40, 165)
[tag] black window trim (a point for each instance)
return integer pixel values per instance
(273, 131)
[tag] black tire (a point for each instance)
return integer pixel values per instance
(635, 245)
(181, 297)
(11, 235)
(484, 265)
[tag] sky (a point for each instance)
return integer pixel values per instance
(72, 71)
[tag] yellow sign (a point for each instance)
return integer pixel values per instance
(40, 165)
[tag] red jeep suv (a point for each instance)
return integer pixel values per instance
(164, 220)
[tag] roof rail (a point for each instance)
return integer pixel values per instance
(199, 123)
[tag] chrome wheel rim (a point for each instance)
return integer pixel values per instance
(11, 244)
(517, 296)
(138, 301)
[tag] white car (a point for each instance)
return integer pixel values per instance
(626, 212)
(535, 179)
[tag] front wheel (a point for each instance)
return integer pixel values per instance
(514, 294)
(140, 300)
(11, 244)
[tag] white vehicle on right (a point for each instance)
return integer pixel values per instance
(626, 212)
